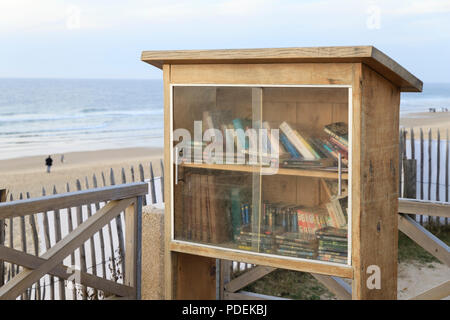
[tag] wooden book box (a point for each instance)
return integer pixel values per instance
(285, 158)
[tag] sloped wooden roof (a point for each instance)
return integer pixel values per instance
(369, 55)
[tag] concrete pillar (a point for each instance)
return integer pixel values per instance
(152, 284)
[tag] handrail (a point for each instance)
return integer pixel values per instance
(424, 207)
(72, 199)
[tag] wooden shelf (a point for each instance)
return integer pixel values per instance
(268, 170)
(290, 263)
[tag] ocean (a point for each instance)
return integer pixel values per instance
(48, 116)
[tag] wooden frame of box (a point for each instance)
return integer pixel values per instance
(374, 82)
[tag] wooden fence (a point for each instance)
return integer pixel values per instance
(53, 273)
(103, 255)
(424, 176)
(424, 165)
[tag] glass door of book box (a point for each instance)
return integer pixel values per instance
(263, 169)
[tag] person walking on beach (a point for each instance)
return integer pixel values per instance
(48, 163)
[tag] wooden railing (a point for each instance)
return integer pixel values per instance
(117, 199)
(234, 276)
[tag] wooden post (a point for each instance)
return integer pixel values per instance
(47, 247)
(438, 170)
(409, 184)
(421, 170)
(72, 255)
(375, 187)
(446, 171)
(131, 246)
(82, 249)
(119, 227)
(152, 183)
(2, 239)
(141, 178)
(92, 245)
(32, 222)
(101, 233)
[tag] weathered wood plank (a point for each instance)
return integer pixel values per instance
(131, 229)
(421, 169)
(247, 278)
(424, 238)
(57, 230)
(2, 239)
(81, 249)
(142, 179)
(245, 295)
(72, 254)
(92, 245)
(152, 184)
(439, 292)
(32, 222)
(110, 238)
(31, 262)
(447, 143)
(48, 246)
(424, 207)
(162, 179)
(101, 232)
(339, 287)
(60, 250)
(72, 199)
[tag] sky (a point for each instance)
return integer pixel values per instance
(104, 39)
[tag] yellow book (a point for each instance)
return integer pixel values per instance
(306, 144)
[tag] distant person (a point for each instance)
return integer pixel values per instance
(62, 158)
(48, 163)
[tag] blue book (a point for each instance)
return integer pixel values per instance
(237, 123)
(289, 146)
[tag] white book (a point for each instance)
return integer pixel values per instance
(292, 137)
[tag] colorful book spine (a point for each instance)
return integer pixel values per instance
(293, 138)
(237, 123)
(308, 146)
(289, 147)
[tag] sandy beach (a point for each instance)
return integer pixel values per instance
(28, 174)
(426, 121)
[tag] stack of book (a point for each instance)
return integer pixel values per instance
(296, 244)
(333, 244)
(303, 151)
(279, 217)
(203, 219)
(312, 219)
(337, 210)
(254, 241)
(337, 141)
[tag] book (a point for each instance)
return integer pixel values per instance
(296, 141)
(236, 219)
(274, 143)
(289, 146)
(339, 131)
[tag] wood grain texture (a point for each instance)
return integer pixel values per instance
(339, 287)
(71, 199)
(424, 238)
(248, 277)
(196, 277)
(62, 249)
(258, 169)
(424, 207)
(272, 261)
(369, 55)
(439, 292)
(276, 74)
(375, 183)
(32, 262)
